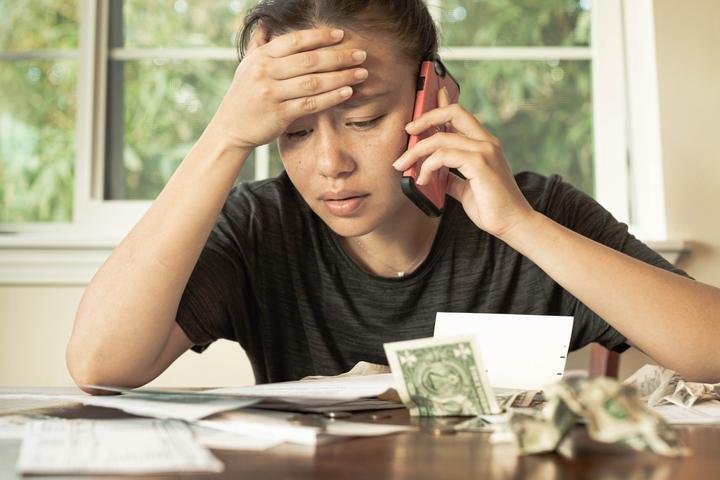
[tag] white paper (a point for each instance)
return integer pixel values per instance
(524, 352)
(13, 426)
(128, 446)
(700, 413)
(324, 390)
(275, 425)
(189, 410)
(222, 440)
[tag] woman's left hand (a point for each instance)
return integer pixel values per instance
(489, 193)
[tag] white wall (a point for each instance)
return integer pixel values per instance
(35, 322)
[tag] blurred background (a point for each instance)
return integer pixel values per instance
(100, 100)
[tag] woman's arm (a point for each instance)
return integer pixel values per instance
(125, 333)
(673, 319)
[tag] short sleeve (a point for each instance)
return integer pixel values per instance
(581, 213)
(216, 302)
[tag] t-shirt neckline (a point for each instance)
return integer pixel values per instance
(441, 238)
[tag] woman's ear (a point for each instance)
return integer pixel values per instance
(259, 37)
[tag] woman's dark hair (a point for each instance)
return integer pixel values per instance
(407, 21)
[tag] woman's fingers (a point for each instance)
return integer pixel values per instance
(320, 60)
(460, 119)
(456, 187)
(314, 84)
(301, 41)
(436, 142)
(298, 107)
(445, 158)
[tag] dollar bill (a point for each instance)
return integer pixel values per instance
(612, 412)
(441, 377)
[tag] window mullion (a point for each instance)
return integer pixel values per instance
(609, 109)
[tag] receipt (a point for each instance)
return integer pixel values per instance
(127, 446)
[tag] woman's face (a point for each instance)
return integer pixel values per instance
(340, 160)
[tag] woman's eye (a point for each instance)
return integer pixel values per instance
(297, 135)
(366, 124)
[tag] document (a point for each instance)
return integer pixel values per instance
(321, 391)
(293, 428)
(128, 446)
(222, 440)
(187, 406)
(523, 352)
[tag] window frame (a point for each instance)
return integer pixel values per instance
(625, 121)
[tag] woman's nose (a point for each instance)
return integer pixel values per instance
(334, 160)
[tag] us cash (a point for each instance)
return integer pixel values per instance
(441, 377)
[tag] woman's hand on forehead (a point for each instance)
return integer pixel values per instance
(293, 75)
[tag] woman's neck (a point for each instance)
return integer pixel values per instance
(397, 248)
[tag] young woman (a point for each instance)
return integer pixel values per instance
(314, 270)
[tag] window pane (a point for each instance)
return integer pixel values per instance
(541, 111)
(166, 106)
(276, 165)
(38, 24)
(526, 23)
(37, 140)
(182, 23)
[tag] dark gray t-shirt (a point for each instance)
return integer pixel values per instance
(275, 278)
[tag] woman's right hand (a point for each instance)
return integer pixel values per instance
(279, 81)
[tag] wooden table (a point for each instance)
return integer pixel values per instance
(422, 455)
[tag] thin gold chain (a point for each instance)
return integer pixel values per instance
(399, 273)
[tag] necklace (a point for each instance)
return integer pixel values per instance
(415, 262)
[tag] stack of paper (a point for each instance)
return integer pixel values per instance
(130, 446)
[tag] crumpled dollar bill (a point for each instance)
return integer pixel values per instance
(613, 413)
(662, 386)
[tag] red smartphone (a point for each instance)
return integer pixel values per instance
(429, 198)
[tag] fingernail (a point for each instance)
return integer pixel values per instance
(396, 163)
(337, 34)
(346, 91)
(359, 55)
(361, 74)
(409, 125)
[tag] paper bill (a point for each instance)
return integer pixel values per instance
(613, 413)
(127, 446)
(441, 377)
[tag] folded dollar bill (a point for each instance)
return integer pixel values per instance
(441, 377)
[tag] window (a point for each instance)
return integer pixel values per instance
(547, 77)
(38, 80)
(170, 63)
(525, 71)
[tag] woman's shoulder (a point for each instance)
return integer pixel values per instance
(261, 198)
(551, 194)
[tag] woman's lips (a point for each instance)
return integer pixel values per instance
(346, 206)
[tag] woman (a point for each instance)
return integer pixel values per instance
(314, 270)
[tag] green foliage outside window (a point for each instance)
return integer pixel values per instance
(37, 112)
(541, 110)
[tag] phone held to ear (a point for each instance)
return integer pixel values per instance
(429, 198)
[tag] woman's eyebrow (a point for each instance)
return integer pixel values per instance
(359, 99)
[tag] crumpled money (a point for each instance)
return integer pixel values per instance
(613, 413)
(662, 386)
